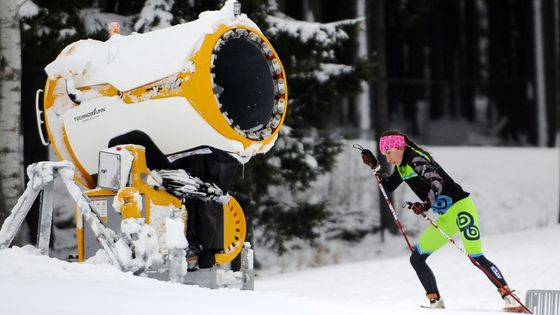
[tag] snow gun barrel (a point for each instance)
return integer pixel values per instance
(216, 81)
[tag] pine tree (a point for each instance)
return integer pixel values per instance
(317, 83)
(156, 14)
(271, 187)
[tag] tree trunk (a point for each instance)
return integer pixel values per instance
(363, 101)
(556, 88)
(482, 100)
(11, 153)
(540, 75)
(378, 99)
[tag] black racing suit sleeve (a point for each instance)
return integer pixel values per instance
(428, 170)
(391, 183)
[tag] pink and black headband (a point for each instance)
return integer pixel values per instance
(391, 142)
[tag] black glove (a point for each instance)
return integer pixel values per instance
(418, 207)
(369, 159)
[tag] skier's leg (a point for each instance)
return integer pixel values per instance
(467, 222)
(430, 241)
(511, 304)
(425, 274)
(492, 269)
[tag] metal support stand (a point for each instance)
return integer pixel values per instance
(41, 176)
(247, 270)
(204, 278)
(45, 221)
(19, 212)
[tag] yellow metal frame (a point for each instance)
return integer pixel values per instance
(234, 219)
(151, 195)
(235, 230)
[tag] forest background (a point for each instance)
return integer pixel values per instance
(461, 73)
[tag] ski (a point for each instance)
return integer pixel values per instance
(505, 310)
(428, 307)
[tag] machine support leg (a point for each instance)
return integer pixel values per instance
(41, 176)
(247, 270)
(45, 221)
(15, 219)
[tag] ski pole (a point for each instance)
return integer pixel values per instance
(387, 200)
(476, 263)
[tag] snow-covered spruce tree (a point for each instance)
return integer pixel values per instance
(271, 188)
(317, 83)
(155, 14)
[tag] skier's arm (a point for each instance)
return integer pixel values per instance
(429, 172)
(391, 183)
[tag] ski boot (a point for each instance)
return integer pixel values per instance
(435, 301)
(511, 304)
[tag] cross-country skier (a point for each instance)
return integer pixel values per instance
(437, 190)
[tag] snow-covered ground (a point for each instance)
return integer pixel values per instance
(516, 190)
(38, 285)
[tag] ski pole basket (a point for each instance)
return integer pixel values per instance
(543, 302)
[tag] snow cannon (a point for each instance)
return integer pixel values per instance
(216, 81)
(197, 99)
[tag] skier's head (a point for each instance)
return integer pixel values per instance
(391, 139)
(392, 144)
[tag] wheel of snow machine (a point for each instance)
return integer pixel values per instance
(234, 231)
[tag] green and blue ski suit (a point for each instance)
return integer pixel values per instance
(457, 213)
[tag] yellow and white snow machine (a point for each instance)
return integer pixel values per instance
(153, 125)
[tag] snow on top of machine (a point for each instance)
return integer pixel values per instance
(153, 55)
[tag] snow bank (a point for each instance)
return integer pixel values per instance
(528, 260)
(38, 285)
